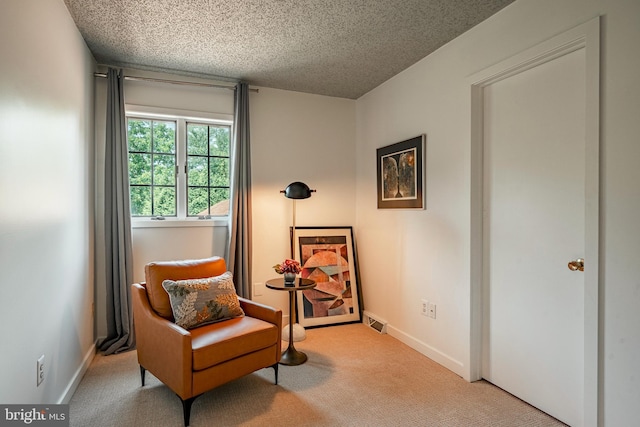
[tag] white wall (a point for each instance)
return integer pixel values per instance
(46, 201)
(294, 137)
(409, 255)
(298, 137)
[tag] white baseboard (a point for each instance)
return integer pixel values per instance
(77, 377)
(431, 352)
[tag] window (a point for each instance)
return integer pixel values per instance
(179, 167)
(152, 167)
(208, 169)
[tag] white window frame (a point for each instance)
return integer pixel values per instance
(181, 118)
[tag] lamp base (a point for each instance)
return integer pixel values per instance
(299, 333)
(292, 357)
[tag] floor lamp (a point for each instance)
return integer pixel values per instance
(295, 191)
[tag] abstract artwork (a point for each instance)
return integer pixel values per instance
(401, 175)
(327, 256)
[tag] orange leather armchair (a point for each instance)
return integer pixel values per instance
(191, 362)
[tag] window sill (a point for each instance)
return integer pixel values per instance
(178, 223)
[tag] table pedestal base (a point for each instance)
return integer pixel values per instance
(292, 357)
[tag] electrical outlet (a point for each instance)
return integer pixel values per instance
(424, 307)
(40, 370)
(432, 310)
(257, 289)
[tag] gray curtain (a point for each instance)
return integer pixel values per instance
(239, 247)
(117, 223)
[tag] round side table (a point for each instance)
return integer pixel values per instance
(291, 356)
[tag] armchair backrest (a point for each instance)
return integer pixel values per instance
(157, 272)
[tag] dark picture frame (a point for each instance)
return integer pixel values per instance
(328, 256)
(400, 172)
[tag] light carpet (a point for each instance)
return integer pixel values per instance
(354, 377)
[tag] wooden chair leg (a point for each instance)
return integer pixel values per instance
(142, 372)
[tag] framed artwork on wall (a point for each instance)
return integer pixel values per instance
(401, 176)
(327, 255)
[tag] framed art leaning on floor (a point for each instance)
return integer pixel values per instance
(327, 256)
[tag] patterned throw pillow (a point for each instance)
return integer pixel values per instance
(196, 302)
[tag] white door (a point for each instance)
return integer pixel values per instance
(534, 225)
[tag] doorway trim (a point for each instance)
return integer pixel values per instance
(585, 36)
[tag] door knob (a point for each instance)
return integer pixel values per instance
(577, 265)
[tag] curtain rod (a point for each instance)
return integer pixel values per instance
(174, 82)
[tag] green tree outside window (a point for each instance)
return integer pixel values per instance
(208, 178)
(152, 167)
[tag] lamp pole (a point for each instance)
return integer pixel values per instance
(293, 229)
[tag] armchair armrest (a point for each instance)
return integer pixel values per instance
(164, 348)
(261, 311)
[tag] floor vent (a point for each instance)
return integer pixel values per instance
(375, 323)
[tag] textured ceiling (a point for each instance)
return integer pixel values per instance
(340, 48)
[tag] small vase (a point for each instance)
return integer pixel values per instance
(289, 277)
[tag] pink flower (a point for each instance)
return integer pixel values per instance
(288, 266)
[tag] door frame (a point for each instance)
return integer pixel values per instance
(585, 36)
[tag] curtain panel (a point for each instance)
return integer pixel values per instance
(239, 244)
(117, 223)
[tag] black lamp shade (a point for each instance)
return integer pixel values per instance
(297, 190)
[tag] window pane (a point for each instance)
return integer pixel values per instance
(219, 201)
(139, 168)
(197, 139)
(140, 201)
(197, 171)
(164, 137)
(219, 171)
(219, 141)
(164, 201)
(164, 167)
(197, 202)
(139, 135)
